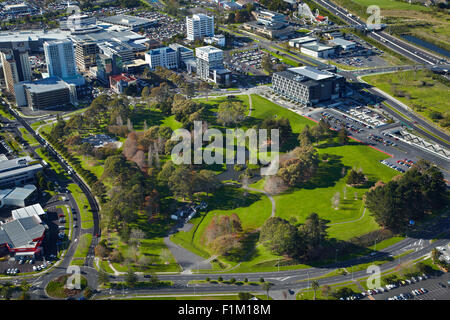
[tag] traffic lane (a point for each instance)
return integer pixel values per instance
(435, 291)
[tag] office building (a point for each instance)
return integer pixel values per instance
(86, 54)
(308, 85)
(317, 50)
(16, 67)
(210, 65)
(19, 171)
(271, 19)
(164, 57)
(217, 40)
(185, 56)
(60, 58)
(45, 93)
(199, 26)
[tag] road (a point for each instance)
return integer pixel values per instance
(406, 49)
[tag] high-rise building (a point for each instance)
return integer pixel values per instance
(16, 67)
(199, 26)
(86, 54)
(60, 58)
(162, 57)
(210, 65)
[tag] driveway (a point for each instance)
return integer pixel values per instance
(186, 259)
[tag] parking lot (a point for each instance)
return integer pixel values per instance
(246, 61)
(432, 288)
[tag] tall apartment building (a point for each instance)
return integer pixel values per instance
(164, 57)
(199, 26)
(210, 65)
(86, 54)
(308, 85)
(16, 67)
(185, 56)
(60, 58)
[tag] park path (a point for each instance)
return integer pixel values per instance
(268, 196)
(364, 212)
(250, 108)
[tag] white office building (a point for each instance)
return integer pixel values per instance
(210, 65)
(199, 26)
(60, 58)
(162, 57)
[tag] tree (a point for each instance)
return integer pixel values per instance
(188, 89)
(315, 229)
(98, 189)
(355, 178)
(266, 286)
(181, 182)
(343, 136)
(103, 277)
(130, 278)
(299, 166)
(231, 112)
(205, 87)
(266, 63)
(281, 237)
(315, 285)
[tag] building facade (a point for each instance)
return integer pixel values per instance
(308, 85)
(165, 57)
(60, 58)
(210, 65)
(19, 171)
(199, 26)
(86, 54)
(16, 67)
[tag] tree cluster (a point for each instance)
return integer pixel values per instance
(300, 242)
(298, 166)
(419, 191)
(224, 234)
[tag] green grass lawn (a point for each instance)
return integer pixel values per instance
(162, 259)
(284, 59)
(434, 96)
(83, 245)
(316, 195)
(28, 137)
(83, 206)
(308, 294)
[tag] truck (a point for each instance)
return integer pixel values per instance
(174, 217)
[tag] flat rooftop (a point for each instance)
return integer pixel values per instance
(127, 20)
(312, 73)
(341, 42)
(46, 85)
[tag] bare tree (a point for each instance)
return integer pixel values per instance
(356, 195)
(335, 200)
(129, 125)
(344, 191)
(145, 125)
(156, 155)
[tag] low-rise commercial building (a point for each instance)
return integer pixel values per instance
(317, 50)
(343, 44)
(19, 171)
(18, 197)
(121, 81)
(23, 235)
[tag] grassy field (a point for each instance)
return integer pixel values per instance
(28, 137)
(421, 91)
(314, 197)
(83, 245)
(317, 194)
(284, 59)
(83, 206)
(308, 294)
(161, 258)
